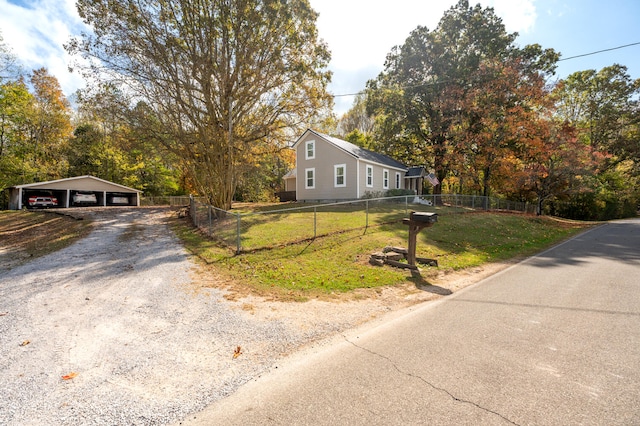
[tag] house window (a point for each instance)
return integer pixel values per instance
(385, 179)
(310, 150)
(369, 176)
(339, 175)
(310, 178)
(397, 180)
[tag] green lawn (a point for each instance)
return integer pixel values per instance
(338, 261)
(268, 226)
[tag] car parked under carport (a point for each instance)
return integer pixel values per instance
(74, 192)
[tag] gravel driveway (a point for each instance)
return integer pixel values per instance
(122, 312)
(118, 311)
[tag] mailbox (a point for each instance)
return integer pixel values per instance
(423, 217)
(417, 221)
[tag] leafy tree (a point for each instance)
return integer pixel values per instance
(557, 167)
(34, 129)
(604, 107)
(49, 126)
(15, 101)
(109, 145)
(356, 137)
(426, 99)
(15, 105)
(356, 119)
(10, 68)
(217, 76)
(501, 124)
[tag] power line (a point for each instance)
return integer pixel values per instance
(559, 60)
(599, 51)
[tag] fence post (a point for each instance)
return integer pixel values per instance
(366, 223)
(210, 228)
(315, 221)
(239, 248)
(192, 209)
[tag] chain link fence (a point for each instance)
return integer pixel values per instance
(272, 226)
(165, 201)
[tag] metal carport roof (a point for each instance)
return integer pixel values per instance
(66, 186)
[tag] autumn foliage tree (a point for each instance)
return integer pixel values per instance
(501, 122)
(446, 98)
(604, 108)
(49, 126)
(217, 77)
(35, 126)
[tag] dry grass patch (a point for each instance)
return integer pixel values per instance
(25, 235)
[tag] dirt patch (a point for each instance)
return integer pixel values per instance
(28, 235)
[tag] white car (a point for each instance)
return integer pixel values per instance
(84, 198)
(44, 201)
(119, 200)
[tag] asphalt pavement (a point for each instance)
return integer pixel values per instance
(553, 340)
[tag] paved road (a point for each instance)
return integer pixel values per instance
(553, 340)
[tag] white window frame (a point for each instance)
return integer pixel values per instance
(313, 178)
(308, 144)
(385, 179)
(398, 180)
(335, 175)
(369, 176)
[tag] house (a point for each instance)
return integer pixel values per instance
(74, 191)
(329, 168)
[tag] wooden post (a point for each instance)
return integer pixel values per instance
(413, 239)
(417, 222)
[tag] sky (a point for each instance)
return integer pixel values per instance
(360, 33)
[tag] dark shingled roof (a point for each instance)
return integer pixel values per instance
(361, 153)
(415, 172)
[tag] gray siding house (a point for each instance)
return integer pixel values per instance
(329, 168)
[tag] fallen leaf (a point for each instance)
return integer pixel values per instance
(3, 314)
(237, 352)
(69, 376)
(25, 343)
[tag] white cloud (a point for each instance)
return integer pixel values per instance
(36, 33)
(360, 33)
(517, 15)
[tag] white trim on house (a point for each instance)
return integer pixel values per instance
(313, 178)
(336, 176)
(369, 176)
(357, 178)
(312, 145)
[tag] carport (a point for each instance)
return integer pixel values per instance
(76, 191)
